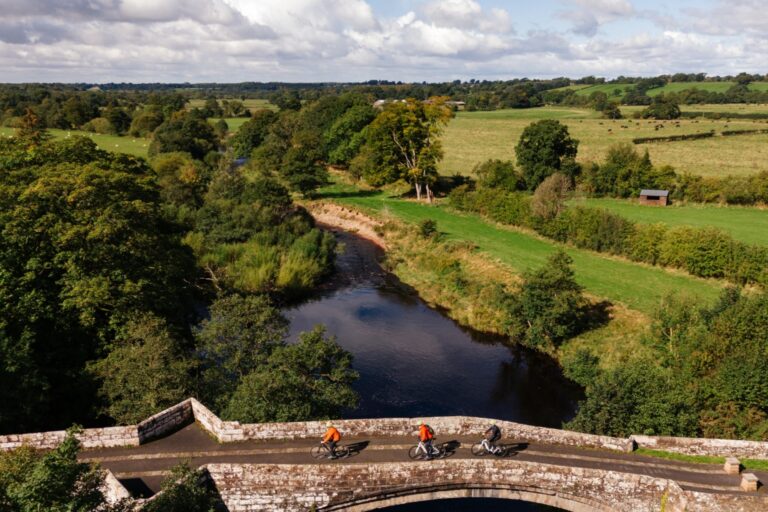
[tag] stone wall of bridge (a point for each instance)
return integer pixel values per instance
(191, 410)
(358, 487)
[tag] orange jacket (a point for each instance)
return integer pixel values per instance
(424, 433)
(332, 435)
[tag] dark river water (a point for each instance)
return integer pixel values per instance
(414, 361)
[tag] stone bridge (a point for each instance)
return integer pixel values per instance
(267, 467)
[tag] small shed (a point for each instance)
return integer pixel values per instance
(654, 197)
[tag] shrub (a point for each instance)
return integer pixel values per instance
(428, 228)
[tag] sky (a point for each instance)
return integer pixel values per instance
(98, 41)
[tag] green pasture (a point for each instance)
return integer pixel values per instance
(473, 137)
(233, 123)
(749, 225)
(249, 103)
(611, 89)
(135, 146)
(638, 286)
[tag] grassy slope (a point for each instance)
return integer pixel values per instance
(749, 225)
(638, 287)
(135, 146)
(473, 137)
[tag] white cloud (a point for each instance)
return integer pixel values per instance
(588, 16)
(341, 40)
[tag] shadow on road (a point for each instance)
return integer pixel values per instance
(450, 447)
(356, 448)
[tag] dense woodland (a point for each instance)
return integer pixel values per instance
(128, 284)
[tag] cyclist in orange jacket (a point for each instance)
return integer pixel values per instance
(331, 437)
(426, 435)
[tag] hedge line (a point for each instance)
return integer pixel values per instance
(726, 133)
(723, 115)
(673, 138)
(702, 252)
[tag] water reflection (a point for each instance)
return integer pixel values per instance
(413, 361)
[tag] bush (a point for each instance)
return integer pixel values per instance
(550, 307)
(99, 125)
(428, 228)
(498, 174)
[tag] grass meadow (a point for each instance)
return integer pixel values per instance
(249, 103)
(135, 146)
(749, 225)
(639, 287)
(618, 90)
(473, 137)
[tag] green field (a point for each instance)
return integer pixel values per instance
(473, 137)
(749, 225)
(611, 89)
(639, 287)
(251, 104)
(135, 146)
(234, 123)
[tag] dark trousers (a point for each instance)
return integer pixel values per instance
(331, 447)
(428, 446)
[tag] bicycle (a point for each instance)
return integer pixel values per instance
(419, 451)
(321, 451)
(484, 448)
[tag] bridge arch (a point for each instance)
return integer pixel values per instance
(520, 493)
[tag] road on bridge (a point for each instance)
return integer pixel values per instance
(141, 469)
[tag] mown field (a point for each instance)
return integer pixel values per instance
(639, 287)
(748, 225)
(473, 137)
(135, 146)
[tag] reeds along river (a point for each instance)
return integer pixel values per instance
(414, 361)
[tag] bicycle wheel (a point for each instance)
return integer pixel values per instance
(414, 453)
(504, 450)
(478, 450)
(318, 452)
(342, 451)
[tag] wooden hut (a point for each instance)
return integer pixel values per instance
(654, 197)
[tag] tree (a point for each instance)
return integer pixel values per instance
(639, 398)
(302, 167)
(182, 179)
(119, 120)
(498, 174)
(403, 143)
(662, 108)
(612, 111)
(346, 136)
(287, 99)
(32, 130)
(55, 481)
(145, 122)
(252, 133)
(187, 132)
(144, 372)
(311, 379)
(236, 340)
(549, 198)
(182, 492)
(545, 147)
(550, 307)
(85, 246)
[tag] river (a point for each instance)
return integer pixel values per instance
(415, 361)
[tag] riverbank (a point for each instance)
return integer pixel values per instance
(467, 284)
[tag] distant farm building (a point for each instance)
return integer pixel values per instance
(654, 197)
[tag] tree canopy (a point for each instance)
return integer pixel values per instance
(403, 143)
(546, 147)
